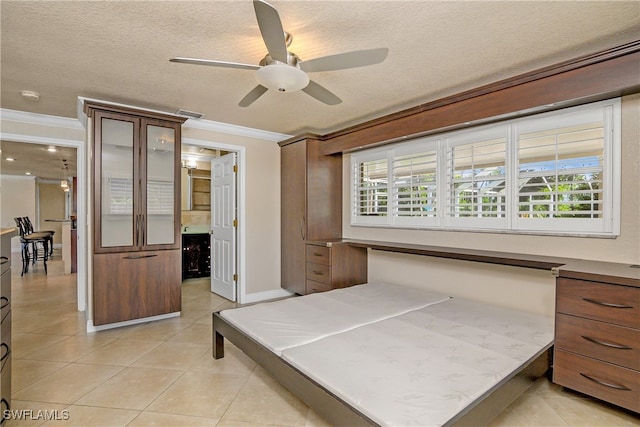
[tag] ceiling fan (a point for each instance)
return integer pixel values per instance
(284, 71)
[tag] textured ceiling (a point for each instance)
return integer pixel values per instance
(119, 51)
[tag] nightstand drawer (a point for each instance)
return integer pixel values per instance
(620, 386)
(318, 254)
(599, 301)
(319, 273)
(313, 287)
(611, 343)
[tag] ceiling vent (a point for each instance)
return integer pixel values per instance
(190, 114)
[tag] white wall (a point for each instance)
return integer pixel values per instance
(522, 288)
(17, 198)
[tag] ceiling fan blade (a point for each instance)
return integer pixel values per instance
(342, 61)
(321, 94)
(213, 63)
(255, 93)
(271, 30)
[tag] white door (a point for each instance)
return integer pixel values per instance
(223, 226)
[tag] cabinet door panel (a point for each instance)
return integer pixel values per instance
(293, 220)
(130, 286)
(161, 187)
(115, 177)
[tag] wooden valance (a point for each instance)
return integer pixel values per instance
(607, 74)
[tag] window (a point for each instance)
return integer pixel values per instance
(414, 177)
(551, 173)
(370, 184)
(476, 178)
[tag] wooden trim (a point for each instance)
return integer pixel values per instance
(299, 138)
(91, 106)
(598, 76)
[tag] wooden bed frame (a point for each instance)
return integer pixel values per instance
(339, 413)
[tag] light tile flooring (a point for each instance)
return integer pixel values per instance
(162, 373)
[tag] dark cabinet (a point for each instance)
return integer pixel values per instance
(597, 344)
(334, 265)
(196, 255)
(311, 197)
(5, 322)
(136, 213)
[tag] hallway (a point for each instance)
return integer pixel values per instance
(162, 373)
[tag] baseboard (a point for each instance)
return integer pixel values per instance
(266, 295)
(92, 328)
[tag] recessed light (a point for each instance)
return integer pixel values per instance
(9, 159)
(51, 148)
(27, 173)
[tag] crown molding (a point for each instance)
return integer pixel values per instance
(40, 119)
(230, 129)
(207, 125)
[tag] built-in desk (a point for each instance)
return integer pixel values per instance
(493, 257)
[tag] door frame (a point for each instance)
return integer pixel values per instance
(81, 214)
(240, 200)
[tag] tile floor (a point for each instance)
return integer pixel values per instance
(162, 373)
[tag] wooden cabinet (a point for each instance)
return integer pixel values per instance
(333, 265)
(597, 344)
(5, 322)
(311, 197)
(136, 213)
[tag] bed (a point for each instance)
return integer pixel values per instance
(381, 354)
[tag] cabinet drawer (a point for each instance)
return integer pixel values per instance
(611, 343)
(318, 254)
(5, 295)
(5, 341)
(615, 384)
(319, 273)
(599, 301)
(313, 287)
(5, 254)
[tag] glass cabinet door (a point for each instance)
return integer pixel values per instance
(162, 184)
(115, 181)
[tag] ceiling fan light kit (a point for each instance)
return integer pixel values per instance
(282, 77)
(283, 71)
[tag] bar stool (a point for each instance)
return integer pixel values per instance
(29, 230)
(31, 240)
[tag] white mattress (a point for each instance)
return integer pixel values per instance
(424, 367)
(401, 356)
(292, 322)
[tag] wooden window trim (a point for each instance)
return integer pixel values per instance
(606, 74)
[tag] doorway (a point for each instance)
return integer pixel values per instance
(212, 202)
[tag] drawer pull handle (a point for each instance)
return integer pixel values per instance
(316, 254)
(317, 273)
(5, 302)
(607, 344)
(138, 256)
(606, 384)
(607, 304)
(4, 260)
(6, 351)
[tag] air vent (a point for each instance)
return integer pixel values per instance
(190, 114)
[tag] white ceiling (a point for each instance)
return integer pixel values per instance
(119, 51)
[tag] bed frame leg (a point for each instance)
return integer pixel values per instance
(218, 341)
